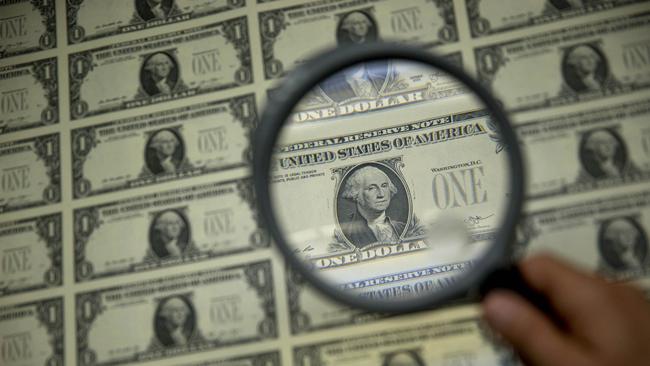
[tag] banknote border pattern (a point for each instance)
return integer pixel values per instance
(52, 193)
(50, 114)
(549, 15)
(259, 238)
(48, 13)
(82, 187)
(273, 67)
(72, 8)
(54, 327)
(235, 32)
(54, 243)
(262, 282)
(565, 95)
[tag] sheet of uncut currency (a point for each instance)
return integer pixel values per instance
(129, 228)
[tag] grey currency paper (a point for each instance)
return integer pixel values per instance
(29, 95)
(163, 146)
(310, 310)
(176, 315)
(31, 173)
(31, 254)
(32, 333)
(93, 19)
(283, 31)
(259, 359)
(26, 26)
(161, 68)
(608, 235)
(185, 225)
(461, 341)
(579, 63)
(488, 17)
(599, 148)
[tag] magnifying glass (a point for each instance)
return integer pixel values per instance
(390, 180)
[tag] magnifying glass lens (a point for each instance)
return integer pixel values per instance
(390, 181)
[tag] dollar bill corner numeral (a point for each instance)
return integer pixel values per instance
(87, 307)
(236, 32)
(300, 320)
(448, 33)
(80, 64)
(47, 149)
(489, 60)
(86, 221)
(49, 229)
(45, 73)
(259, 238)
(83, 141)
(307, 355)
(259, 276)
(479, 26)
(244, 110)
(46, 40)
(47, 10)
(50, 315)
(272, 23)
(76, 33)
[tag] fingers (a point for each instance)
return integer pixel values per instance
(530, 331)
(572, 293)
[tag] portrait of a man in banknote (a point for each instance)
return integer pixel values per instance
(149, 10)
(169, 234)
(403, 358)
(164, 152)
(372, 205)
(603, 154)
(175, 321)
(356, 27)
(159, 74)
(364, 80)
(623, 244)
(584, 68)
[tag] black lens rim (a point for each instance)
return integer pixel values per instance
(304, 79)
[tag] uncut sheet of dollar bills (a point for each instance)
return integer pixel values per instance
(129, 228)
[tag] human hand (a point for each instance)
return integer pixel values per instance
(604, 324)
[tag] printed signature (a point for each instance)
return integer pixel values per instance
(475, 220)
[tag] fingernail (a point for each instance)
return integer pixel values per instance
(500, 309)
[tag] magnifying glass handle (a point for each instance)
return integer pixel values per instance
(511, 278)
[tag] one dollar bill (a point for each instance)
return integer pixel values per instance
(488, 17)
(176, 315)
(579, 63)
(393, 84)
(32, 333)
(161, 68)
(31, 254)
(93, 19)
(162, 229)
(31, 173)
(26, 26)
(608, 235)
(452, 341)
(258, 359)
(173, 144)
(29, 95)
(599, 148)
(288, 33)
